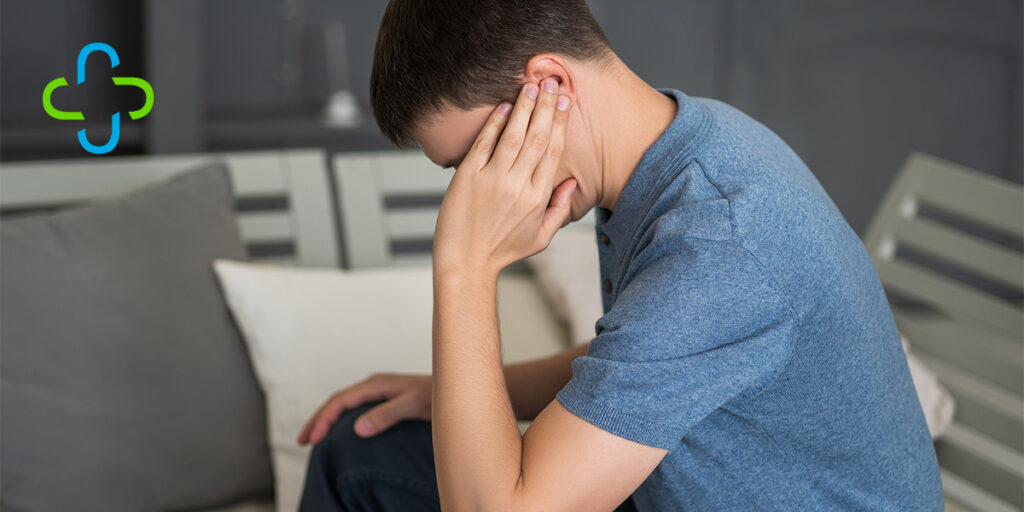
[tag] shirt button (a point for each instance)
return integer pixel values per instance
(605, 240)
(607, 286)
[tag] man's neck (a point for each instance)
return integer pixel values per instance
(632, 118)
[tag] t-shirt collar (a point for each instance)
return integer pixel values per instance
(661, 163)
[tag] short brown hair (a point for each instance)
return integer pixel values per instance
(468, 53)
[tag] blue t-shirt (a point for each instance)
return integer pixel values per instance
(746, 331)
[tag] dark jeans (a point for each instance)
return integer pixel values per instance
(390, 472)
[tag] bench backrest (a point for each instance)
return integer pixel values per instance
(951, 238)
(285, 211)
(389, 203)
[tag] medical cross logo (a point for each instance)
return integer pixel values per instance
(115, 120)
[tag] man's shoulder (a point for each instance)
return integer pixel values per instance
(739, 141)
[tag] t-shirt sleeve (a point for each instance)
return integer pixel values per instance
(696, 325)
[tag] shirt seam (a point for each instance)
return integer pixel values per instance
(792, 309)
(575, 393)
(695, 145)
(789, 305)
(733, 238)
(732, 218)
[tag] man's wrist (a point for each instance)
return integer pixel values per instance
(448, 274)
(462, 278)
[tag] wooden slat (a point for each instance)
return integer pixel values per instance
(410, 173)
(995, 358)
(979, 256)
(402, 172)
(879, 232)
(971, 496)
(976, 196)
(313, 216)
(412, 222)
(285, 261)
(957, 299)
(981, 406)
(256, 174)
(971, 464)
(49, 182)
(412, 260)
(964, 384)
(995, 453)
(1004, 429)
(265, 226)
(301, 175)
(363, 181)
(361, 203)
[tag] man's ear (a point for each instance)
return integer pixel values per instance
(544, 65)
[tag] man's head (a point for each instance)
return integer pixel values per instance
(441, 66)
(438, 56)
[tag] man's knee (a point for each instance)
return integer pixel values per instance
(392, 471)
(343, 451)
(342, 448)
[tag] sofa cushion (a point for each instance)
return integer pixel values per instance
(312, 332)
(125, 384)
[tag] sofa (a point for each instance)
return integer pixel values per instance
(127, 383)
(168, 322)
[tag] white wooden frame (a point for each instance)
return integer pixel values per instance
(980, 467)
(982, 199)
(298, 175)
(365, 181)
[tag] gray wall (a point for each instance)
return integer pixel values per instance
(853, 86)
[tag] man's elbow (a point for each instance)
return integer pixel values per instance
(490, 500)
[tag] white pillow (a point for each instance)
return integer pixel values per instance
(569, 272)
(313, 332)
(937, 403)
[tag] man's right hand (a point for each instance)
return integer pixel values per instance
(405, 397)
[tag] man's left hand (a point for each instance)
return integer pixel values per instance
(502, 204)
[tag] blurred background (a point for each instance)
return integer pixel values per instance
(853, 86)
(115, 413)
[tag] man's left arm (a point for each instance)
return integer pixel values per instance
(562, 462)
(500, 208)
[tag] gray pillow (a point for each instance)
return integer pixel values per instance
(125, 384)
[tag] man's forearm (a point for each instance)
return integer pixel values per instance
(500, 206)
(477, 444)
(532, 385)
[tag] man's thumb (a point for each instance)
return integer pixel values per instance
(557, 214)
(381, 417)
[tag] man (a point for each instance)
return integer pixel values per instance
(747, 358)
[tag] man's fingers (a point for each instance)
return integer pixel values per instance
(307, 430)
(547, 168)
(383, 416)
(318, 426)
(304, 433)
(511, 141)
(558, 211)
(328, 414)
(539, 134)
(483, 146)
